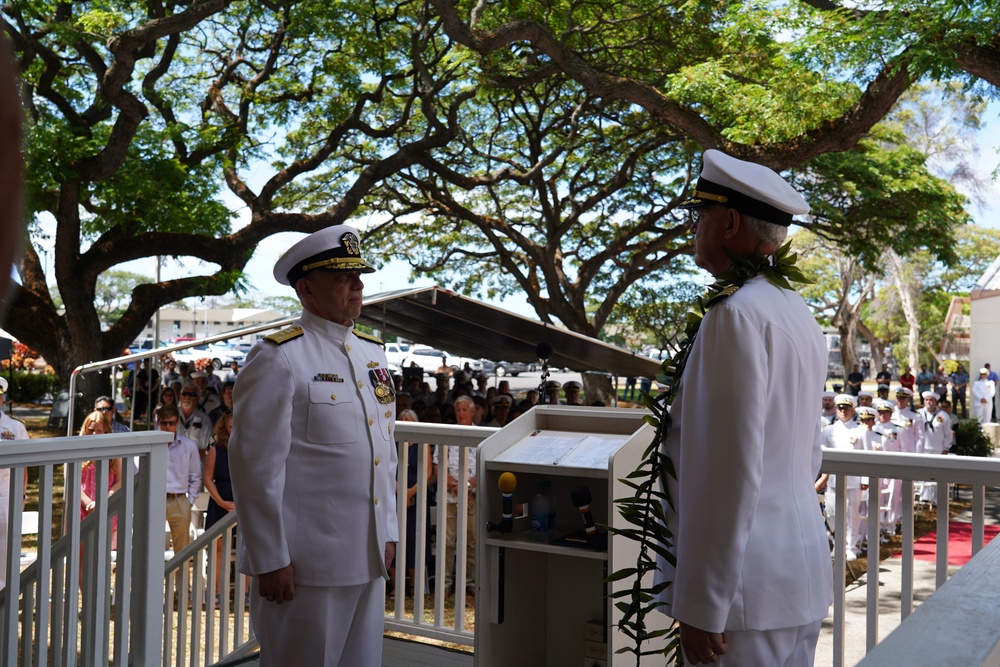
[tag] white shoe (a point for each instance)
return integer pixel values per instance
(850, 556)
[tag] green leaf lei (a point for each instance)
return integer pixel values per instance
(643, 510)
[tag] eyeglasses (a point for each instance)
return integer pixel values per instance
(107, 408)
(171, 422)
(189, 394)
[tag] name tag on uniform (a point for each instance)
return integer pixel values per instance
(327, 377)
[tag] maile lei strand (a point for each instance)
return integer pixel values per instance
(643, 510)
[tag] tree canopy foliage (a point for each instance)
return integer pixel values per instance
(137, 113)
(517, 147)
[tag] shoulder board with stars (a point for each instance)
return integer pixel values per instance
(368, 337)
(724, 294)
(285, 335)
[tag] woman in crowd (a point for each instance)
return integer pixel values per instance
(218, 483)
(98, 423)
(227, 403)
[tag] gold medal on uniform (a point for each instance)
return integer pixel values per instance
(385, 392)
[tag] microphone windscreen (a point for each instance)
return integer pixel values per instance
(507, 482)
(580, 496)
(544, 350)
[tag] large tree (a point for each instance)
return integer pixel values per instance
(137, 114)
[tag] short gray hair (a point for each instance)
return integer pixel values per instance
(766, 232)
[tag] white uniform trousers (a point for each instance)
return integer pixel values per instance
(855, 522)
(982, 412)
(784, 647)
(324, 626)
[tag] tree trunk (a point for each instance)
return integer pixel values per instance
(598, 387)
(907, 289)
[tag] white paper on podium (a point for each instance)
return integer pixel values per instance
(572, 450)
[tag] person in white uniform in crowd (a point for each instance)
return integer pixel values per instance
(983, 391)
(936, 424)
(828, 414)
(888, 442)
(869, 441)
(313, 464)
(744, 485)
(844, 434)
(10, 429)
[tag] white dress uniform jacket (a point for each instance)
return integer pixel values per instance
(910, 430)
(750, 544)
(313, 458)
(10, 429)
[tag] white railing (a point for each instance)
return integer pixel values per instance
(73, 607)
(205, 618)
(67, 624)
(944, 470)
(418, 623)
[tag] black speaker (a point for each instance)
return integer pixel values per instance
(6, 347)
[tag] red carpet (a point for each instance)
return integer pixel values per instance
(959, 543)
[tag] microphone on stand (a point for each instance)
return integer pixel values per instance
(581, 498)
(507, 484)
(544, 351)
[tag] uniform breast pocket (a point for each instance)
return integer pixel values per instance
(331, 415)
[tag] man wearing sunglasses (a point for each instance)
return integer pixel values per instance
(313, 464)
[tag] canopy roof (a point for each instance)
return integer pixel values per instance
(472, 328)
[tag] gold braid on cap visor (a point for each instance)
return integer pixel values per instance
(346, 263)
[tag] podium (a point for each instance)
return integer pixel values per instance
(545, 603)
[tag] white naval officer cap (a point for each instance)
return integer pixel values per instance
(3, 385)
(883, 405)
(984, 371)
(748, 187)
(845, 399)
(336, 248)
(904, 391)
(866, 412)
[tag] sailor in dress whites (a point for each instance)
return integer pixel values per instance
(744, 486)
(888, 442)
(845, 434)
(938, 435)
(313, 463)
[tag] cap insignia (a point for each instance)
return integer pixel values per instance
(351, 244)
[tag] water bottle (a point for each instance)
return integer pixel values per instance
(541, 529)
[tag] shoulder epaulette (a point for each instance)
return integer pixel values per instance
(285, 335)
(724, 294)
(369, 337)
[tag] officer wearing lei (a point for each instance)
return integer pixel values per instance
(313, 463)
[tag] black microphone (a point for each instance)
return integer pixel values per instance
(544, 350)
(507, 484)
(581, 498)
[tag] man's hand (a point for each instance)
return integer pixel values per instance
(702, 646)
(278, 586)
(390, 553)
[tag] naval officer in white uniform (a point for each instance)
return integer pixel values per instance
(753, 580)
(313, 463)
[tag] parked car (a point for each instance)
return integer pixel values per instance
(502, 368)
(429, 359)
(221, 354)
(396, 352)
